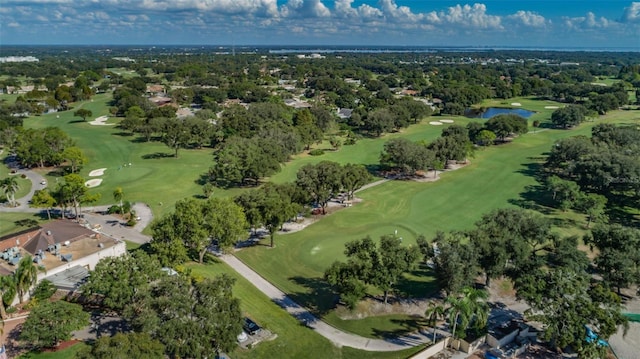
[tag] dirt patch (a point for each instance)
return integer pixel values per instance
(373, 307)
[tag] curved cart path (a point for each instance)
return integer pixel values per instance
(335, 335)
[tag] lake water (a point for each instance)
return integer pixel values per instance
(493, 111)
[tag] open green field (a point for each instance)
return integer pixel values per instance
(294, 340)
(497, 177)
(8, 221)
(154, 177)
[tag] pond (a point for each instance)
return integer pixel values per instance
(493, 111)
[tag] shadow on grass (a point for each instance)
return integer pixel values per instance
(409, 287)
(319, 299)
(123, 134)
(402, 334)
(157, 155)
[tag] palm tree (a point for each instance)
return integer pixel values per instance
(118, 195)
(434, 313)
(7, 289)
(471, 306)
(25, 276)
(458, 311)
(10, 186)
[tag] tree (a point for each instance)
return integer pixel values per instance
(506, 125)
(225, 222)
(83, 113)
(8, 292)
(379, 121)
(73, 191)
(486, 138)
(320, 181)
(380, 266)
(118, 196)
(592, 205)
(406, 156)
(10, 186)
(117, 282)
(455, 262)
(619, 259)
(75, 157)
(175, 135)
(167, 243)
(470, 307)
(568, 116)
(49, 323)
(567, 303)
(354, 177)
(124, 346)
(26, 276)
(307, 129)
(434, 313)
(193, 319)
(42, 198)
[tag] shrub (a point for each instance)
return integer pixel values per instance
(44, 290)
(316, 152)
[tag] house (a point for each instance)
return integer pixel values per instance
(155, 90)
(297, 104)
(58, 247)
(345, 113)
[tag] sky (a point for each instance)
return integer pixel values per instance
(491, 23)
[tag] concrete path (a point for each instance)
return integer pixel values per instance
(337, 336)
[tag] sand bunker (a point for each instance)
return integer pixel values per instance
(516, 104)
(101, 121)
(551, 107)
(435, 123)
(98, 172)
(93, 182)
(446, 121)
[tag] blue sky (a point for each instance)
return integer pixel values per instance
(530, 23)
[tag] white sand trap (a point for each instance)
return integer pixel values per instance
(446, 121)
(93, 182)
(101, 121)
(98, 172)
(551, 107)
(435, 123)
(516, 104)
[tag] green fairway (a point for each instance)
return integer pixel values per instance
(293, 340)
(367, 150)
(154, 176)
(497, 177)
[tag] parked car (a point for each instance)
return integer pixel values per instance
(250, 326)
(43, 182)
(242, 337)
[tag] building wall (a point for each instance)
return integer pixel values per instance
(432, 350)
(89, 261)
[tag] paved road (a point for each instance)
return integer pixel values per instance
(337, 336)
(23, 203)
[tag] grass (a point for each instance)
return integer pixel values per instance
(67, 353)
(23, 183)
(293, 339)
(154, 177)
(497, 177)
(8, 221)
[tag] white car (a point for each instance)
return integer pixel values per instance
(43, 182)
(242, 337)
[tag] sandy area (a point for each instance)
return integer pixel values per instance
(446, 121)
(516, 104)
(435, 123)
(98, 172)
(551, 107)
(93, 183)
(101, 121)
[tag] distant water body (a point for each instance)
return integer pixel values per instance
(430, 49)
(494, 111)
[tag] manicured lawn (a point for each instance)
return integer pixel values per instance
(154, 177)
(23, 183)
(497, 177)
(293, 340)
(367, 150)
(8, 219)
(62, 354)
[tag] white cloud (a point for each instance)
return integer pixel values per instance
(13, 24)
(528, 18)
(343, 8)
(632, 13)
(589, 21)
(398, 13)
(467, 16)
(305, 8)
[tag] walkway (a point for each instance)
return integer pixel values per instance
(336, 336)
